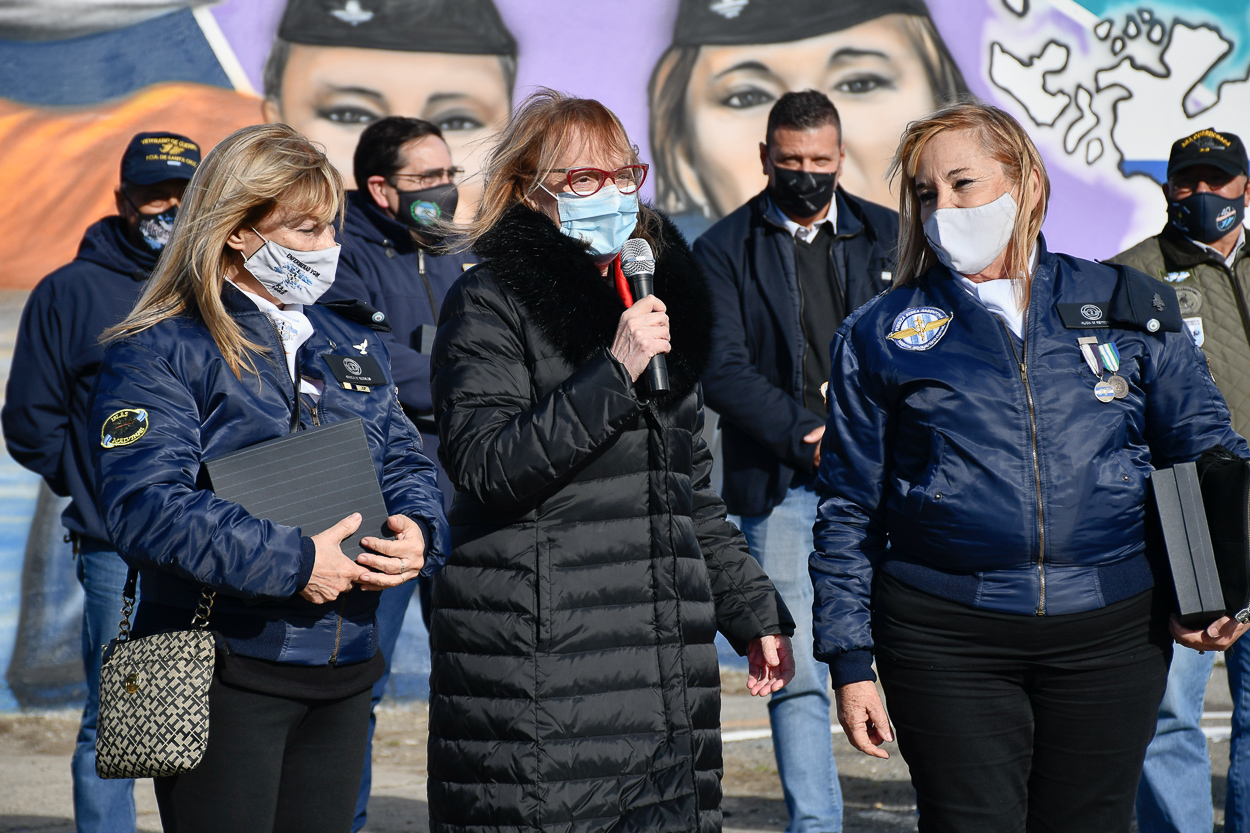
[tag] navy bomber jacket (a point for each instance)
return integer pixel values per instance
(183, 537)
(981, 467)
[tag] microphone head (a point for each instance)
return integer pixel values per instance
(636, 258)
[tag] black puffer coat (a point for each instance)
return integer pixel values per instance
(575, 684)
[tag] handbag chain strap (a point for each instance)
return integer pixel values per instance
(199, 621)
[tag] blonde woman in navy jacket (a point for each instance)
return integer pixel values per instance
(227, 349)
(981, 531)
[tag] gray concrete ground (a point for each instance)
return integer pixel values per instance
(35, 782)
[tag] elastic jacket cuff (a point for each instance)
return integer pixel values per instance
(851, 667)
(307, 558)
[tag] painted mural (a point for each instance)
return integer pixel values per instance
(1104, 86)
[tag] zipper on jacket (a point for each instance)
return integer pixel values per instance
(429, 290)
(1021, 361)
(1241, 301)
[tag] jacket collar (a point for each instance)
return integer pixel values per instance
(365, 219)
(577, 310)
(1180, 253)
(849, 224)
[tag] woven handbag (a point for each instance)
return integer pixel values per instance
(154, 697)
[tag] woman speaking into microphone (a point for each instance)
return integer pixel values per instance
(575, 682)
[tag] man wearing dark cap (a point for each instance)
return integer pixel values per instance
(391, 260)
(1201, 252)
(47, 402)
(784, 270)
(338, 65)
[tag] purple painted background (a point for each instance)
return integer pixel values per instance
(1079, 222)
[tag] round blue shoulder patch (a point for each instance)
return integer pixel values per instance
(919, 328)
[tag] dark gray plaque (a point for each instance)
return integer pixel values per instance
(310, 479)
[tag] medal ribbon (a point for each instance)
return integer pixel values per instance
(1087, 352)
(1110, 356)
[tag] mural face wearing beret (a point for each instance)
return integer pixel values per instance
(337, 67)
(882, 63)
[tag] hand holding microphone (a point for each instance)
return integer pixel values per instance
(642, 337)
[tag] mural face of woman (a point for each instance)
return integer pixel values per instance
(330, 94)
(871, 72)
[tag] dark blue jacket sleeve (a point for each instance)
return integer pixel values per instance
(849, 533)
(733, 386)
(146, 491)
(1185, 413)
(36, 407)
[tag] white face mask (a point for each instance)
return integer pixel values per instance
(970, 239)
(293, 277)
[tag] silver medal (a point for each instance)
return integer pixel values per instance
(1118, 386)
(1105, 391)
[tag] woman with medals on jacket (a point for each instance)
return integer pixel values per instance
(981, 534)
(575, 682)
(227, 348)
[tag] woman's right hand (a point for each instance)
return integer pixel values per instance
(333, 573)
(641, 334)
(863, 718)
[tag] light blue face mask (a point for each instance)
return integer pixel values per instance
(604, 220)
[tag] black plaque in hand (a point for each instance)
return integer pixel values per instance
(309, 479)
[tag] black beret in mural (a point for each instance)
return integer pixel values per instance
(739, 22)
(467, 27)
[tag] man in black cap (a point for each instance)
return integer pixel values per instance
(784, 270)
(338, 65)
(1201, 252)
(47, 402)
(391, 261)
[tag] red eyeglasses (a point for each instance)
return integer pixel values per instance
(587, 181)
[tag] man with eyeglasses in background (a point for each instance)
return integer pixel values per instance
(396, 220)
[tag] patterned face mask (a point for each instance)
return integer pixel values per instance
(290, 276)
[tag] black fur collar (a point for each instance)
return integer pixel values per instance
(577, 310)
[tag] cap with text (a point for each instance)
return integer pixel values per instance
(1209, 147)
(156, 157)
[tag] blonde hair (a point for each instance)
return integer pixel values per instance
(542, 130)
(250, 174)
(1005, 141)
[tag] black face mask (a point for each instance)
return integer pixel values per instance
(801, 193)
(1207, 217)
(423, 211)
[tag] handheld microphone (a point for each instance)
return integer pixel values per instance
(638, 266)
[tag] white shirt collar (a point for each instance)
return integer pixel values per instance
(797, 231)
(1232, 256)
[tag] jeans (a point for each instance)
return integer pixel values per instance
(390, 616)
(1174, 795)
(100, 806)
(782, 541)
(1237, 799)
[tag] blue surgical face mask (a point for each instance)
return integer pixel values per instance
(1206, 217)
(604, 220)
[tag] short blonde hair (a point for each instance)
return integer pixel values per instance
(542, 129)
(250, 174)
(1004, 140)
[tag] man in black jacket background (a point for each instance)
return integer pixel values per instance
(391, 261)
(47, 404)
(784, 270)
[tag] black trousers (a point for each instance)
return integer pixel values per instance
(1021, 723)
(273, 765)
